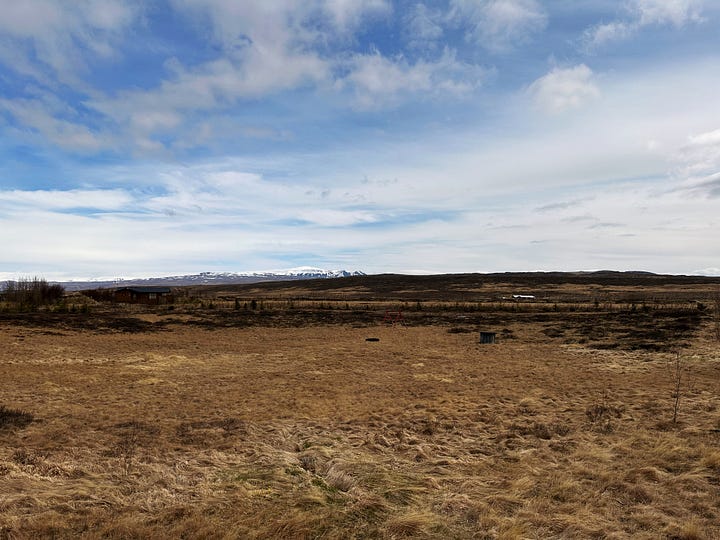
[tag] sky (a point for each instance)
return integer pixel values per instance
(166, 137)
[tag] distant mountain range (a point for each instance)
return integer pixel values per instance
(213, 278)
(310, 273)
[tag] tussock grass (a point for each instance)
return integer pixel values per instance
(14, 418)
(260, 432)
(711, 460)
(413, 524)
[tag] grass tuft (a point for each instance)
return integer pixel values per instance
(712, 461)
(14, 418)
(412, 524)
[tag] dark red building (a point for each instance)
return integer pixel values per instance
(143, 295)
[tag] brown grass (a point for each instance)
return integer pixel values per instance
(257, 431)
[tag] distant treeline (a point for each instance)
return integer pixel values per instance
(31, 292)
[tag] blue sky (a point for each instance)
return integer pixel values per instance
(178, 136)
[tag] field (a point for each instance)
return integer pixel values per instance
(264, 412)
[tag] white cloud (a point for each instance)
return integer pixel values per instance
(46, 117)
(676, 12)
(338, 218)
(565, 88)
(642, 13)
(499, 24)
(253, 72)
(603, 34)
(57, 33)
(347, 14)
(701, 154)
(96, 199)
(150, 121)
(378, 81)
(698, 163)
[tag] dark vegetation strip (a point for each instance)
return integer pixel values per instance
(659, 329)
(106, 322)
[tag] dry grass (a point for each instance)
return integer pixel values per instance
(313, 432)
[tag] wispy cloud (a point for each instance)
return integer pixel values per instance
(606, 33)
(639, 14)
(562, 205)
(676, 12)
(60, 35)
(377, 81)
(423, 26)
(499, 24)
(348, 14)
(607, 225)
(60, 125)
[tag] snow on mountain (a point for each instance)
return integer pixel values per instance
(307, 271)
(304, 272)
(217, 278)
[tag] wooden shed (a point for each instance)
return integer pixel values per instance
(143, 295)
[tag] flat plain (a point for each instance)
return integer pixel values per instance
(264, 412)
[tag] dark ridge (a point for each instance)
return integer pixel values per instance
(387, 284)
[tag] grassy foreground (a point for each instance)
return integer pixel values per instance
(182, 430)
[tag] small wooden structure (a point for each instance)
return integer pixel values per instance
(143, 295)
(487, 337)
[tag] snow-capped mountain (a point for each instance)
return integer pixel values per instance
(304, 272)
(216, 278)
